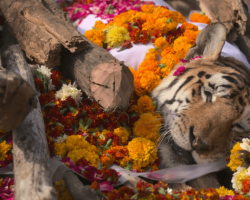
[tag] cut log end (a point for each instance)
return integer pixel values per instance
(112, 85)
(17, 98)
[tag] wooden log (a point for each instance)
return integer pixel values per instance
(39, 31)
(100, 75)
(235, 17)
(30, 148)
(77, 190)
(17, 99)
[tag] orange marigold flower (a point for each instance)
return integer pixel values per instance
(122, 133)
(145, 104)
(189, 26)
(107, 160)
(200, 17)
(181, 46)
(148, 8)
(191, 35)
(149, 81)
(161, 43)
(165, 24)
(96, 36)
(100, 25)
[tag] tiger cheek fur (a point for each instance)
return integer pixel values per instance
(206, 108)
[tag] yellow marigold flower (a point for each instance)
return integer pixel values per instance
(115, 36)
(165, 25)
(161, 43)
(181, 46)
(149, 81)
(148, 126)
(60, 149)
(96, 36)
(189, 26)
(148, 8)
(87, 153)
(4, 148)
(235, 161)
(100, 25)
(122, 133)
(75, 142)
(145, 104)
(142, 151)
(62, 191)
(224, 191)
(202, 18)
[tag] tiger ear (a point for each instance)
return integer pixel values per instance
(209, 42)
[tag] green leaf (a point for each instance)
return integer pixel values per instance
(101, 128)
(169, 20)
(101, 136)
(135, 114)
(81, 123)
(123, 123)
(129, 166)
(99, 165)
(154, 103)
(89, 121)
(162, 65)
(109, 179)
(135, 196)
(39, 75)
(108, 144)
(50, 104)
(162, 191)
(107, 155)
(203, 13)
(72, 109)
(63, 110)
(149, 188)
(59, 124)
(83, 112)
(156, 48)
(133, 25)
(76, 129)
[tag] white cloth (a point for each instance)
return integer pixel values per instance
(134, 56)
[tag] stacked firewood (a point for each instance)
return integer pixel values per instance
(38, 32)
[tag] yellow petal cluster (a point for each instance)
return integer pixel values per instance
(122, 133)
(224, 191)
(144, 105)
(87, 154)
(148, 126)
(75, 142)
(4, 148)
(235, 161)
(60, 149)
(115, 36)
(142, 151)
(62, 191)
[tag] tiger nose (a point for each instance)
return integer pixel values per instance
(196, 142)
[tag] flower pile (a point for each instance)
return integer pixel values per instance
(88, 139)
(79, 9)
(7, 189)
(154, 24)
(6, 144)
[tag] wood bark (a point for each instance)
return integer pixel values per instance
(100, 75)
(235, 17)
(77, 190)
(41, 29)
(30, 148)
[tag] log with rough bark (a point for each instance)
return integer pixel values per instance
(100, 75)
(30, 148)
(77, 190)
(235, 18)
(41, 29)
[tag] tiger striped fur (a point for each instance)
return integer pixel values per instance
(206, 109)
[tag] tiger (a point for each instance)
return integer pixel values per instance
(205, 108)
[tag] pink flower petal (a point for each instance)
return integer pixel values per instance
(106, 186)
(179, 71)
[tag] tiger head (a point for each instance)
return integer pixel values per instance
(205, 108)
